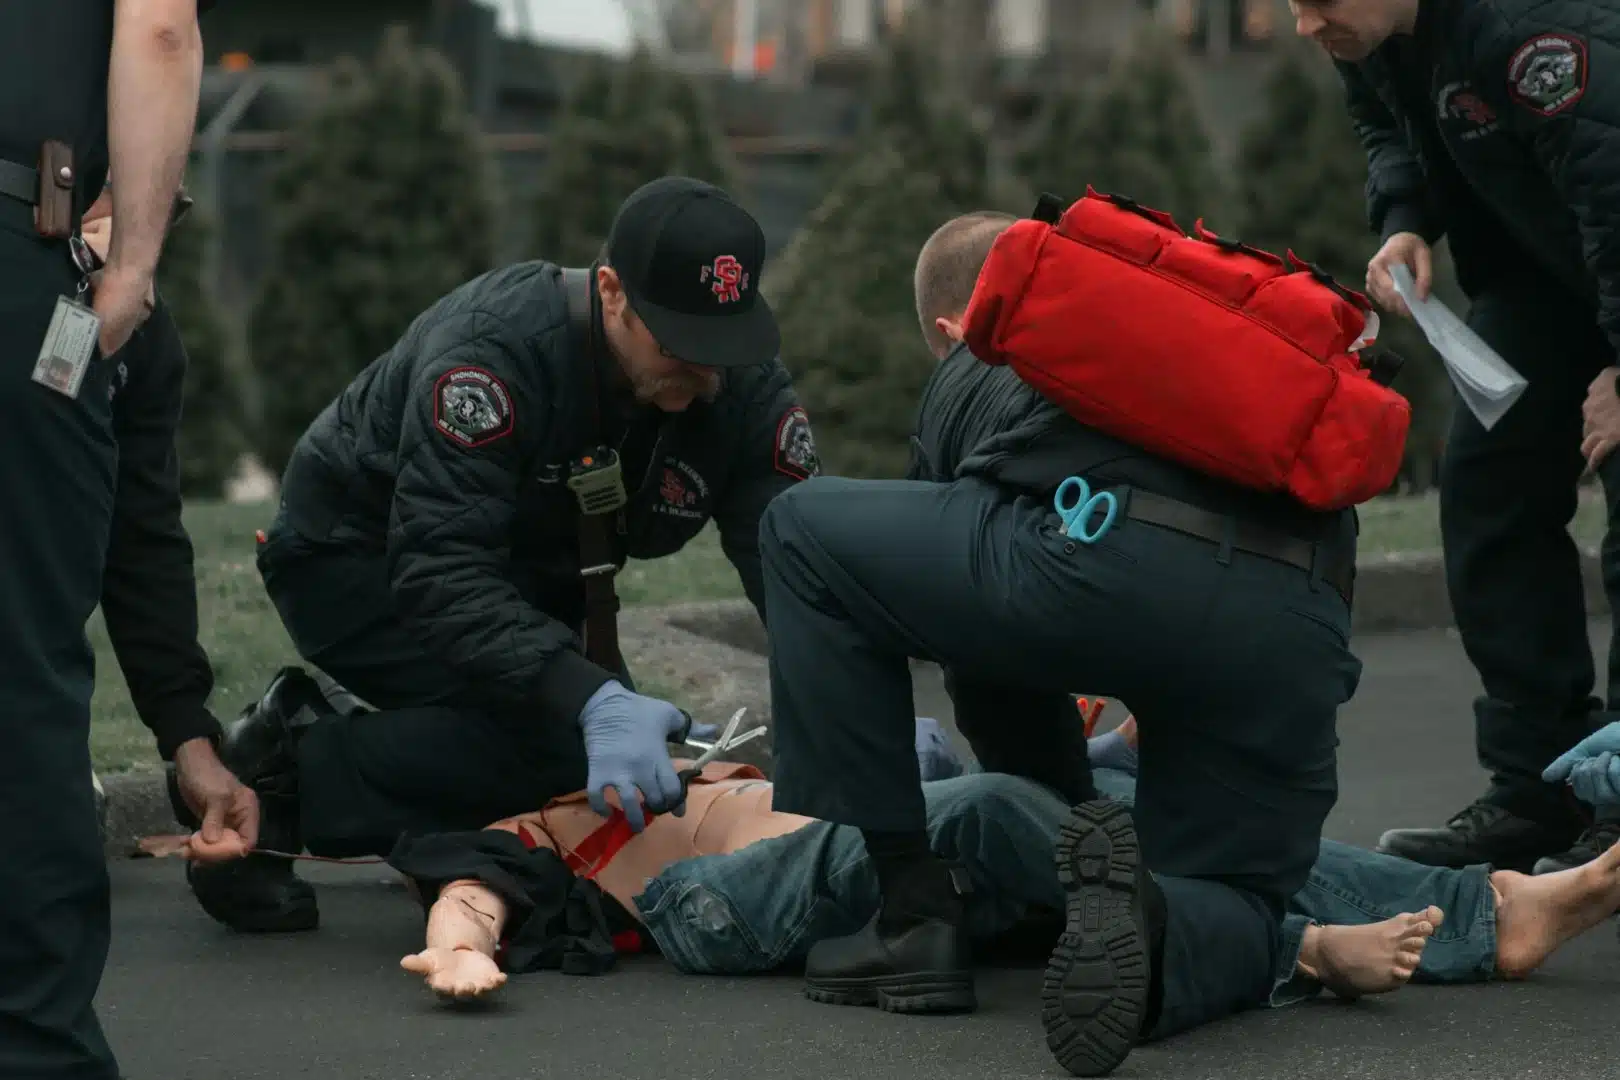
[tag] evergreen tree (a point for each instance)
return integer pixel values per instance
(1139, 133)
(1302, 180)
(383, 202)
(213, 422)
(624, 124)
(843, 292)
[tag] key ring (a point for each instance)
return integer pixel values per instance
(1078, 515)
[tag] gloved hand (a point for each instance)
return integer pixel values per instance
(1591, 767)
(1596, 781)
(935, 754)
(625, 737)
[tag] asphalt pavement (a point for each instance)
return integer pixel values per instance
(184, 999)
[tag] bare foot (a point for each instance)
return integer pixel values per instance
(1535, 915)
(456, 974)
(1353, 961)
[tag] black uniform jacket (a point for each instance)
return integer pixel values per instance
(149, 591)
(1494, 124)
(447, 457)
(984, 421)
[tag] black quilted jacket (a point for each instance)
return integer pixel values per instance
(1494, 124)
(447, 458)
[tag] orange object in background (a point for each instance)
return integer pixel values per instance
(235, 61)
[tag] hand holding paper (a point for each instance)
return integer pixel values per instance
(1487, 384)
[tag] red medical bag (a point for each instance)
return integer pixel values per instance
(1199, 349)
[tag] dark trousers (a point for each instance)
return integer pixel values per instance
(58, 462)
(1507, 496)
(435, 756)
(1234, 665)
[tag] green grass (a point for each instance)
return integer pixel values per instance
(244, 638)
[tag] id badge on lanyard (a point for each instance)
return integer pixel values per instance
(75, 329)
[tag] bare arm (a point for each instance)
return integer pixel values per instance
(153, 82)
(467, 916)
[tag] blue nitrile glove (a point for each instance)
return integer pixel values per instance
(1582, 757)
(625, 737)
(935, 754)
(1596, 780)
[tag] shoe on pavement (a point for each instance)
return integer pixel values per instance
(923, 968)
(1591, 843)
(1481, 833)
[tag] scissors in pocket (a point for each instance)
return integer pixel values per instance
(1077, 515)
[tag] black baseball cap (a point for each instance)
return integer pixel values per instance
(690, 260)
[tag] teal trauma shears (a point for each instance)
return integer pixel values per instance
(1078, 514)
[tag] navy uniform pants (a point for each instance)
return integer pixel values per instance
(1507, 497)
(434, 756)
(1235, 666)
(58, 466)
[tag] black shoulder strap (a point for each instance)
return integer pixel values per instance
(582, 336)
(597, 502)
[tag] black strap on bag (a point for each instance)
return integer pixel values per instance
(597, 481)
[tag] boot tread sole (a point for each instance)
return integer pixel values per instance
(1095, 991)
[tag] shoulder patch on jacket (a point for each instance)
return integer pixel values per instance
(1547, 74)
(795, 447)
(471, 407)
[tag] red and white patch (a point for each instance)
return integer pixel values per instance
(726, 278)
(471, 407)
(796, 447)
(1547, 74)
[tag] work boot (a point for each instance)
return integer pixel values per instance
(1591, 843)
(1098, 996)
(1482, 833)
(899, 964)
(260, 893)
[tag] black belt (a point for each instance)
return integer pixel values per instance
(21, 182)
(1333, 563)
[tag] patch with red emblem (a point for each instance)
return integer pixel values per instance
(795, 447)
(471, 407)
(1547, 74)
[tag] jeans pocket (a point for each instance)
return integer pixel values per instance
(699, 932)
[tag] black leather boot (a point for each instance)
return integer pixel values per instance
(902, 966)
(1483, 832)
(1590, 844)
(1097, 999)
(261, 893)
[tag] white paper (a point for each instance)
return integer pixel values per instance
(1487, 384)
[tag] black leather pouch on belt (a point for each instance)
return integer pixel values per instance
(54, 215)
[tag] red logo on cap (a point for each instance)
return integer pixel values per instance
(728, 277)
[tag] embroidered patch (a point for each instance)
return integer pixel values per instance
(1548, 73)
(1459, 108)
(795, 447)
(682, 491)
(471, 407)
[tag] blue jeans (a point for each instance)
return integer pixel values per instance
(763, 907)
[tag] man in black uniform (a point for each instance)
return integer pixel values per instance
(149, 589)
(1220, 615)
(427, 554)
(1487, 122)
(68, 79)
